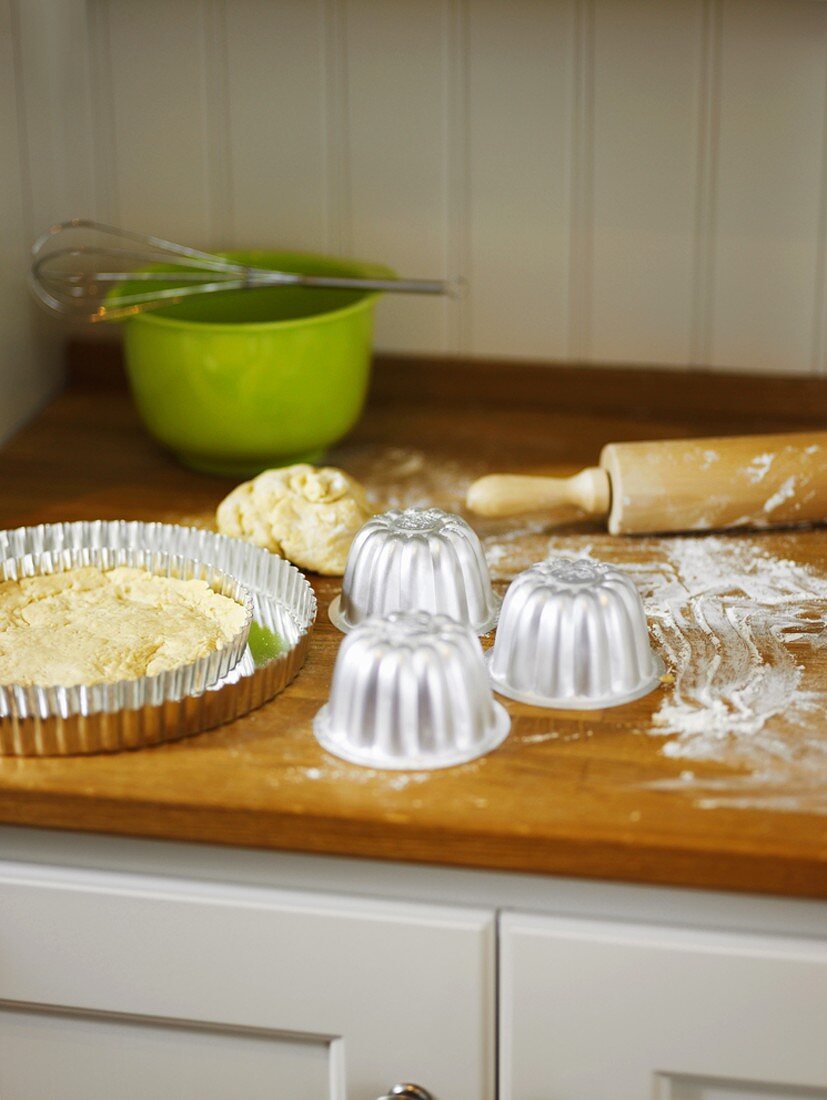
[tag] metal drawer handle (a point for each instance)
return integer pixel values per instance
(406, 1091)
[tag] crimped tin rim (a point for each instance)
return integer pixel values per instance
(281, 595)
(63, 700)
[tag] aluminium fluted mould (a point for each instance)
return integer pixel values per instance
(417, 560)
(410, 691)
(573, 634)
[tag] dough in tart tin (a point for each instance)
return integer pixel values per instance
(90, 625)
(133, 714)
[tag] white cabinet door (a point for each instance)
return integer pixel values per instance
(596, 1010)
(135, 987)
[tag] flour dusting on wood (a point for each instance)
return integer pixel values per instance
(742, 630)
(741, 627)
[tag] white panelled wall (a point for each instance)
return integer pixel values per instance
(29, 351)
(620, 180)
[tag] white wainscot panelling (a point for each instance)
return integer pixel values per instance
(139, 987)
(14, 398)
(158, 75)
(29, 369)
(646, 68)
(276, 114)
(519, 105)
(614, 1011)
(399, 156)
(620, 180)
(769, 184)
(54, 85)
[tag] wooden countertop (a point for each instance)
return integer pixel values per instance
(586, 794)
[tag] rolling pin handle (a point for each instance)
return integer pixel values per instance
(591, 491)
(500, 495)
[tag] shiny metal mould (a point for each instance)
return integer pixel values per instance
(417, 560)
(573, 634)
(410, 691)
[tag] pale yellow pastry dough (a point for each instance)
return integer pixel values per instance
(87, 626)
(306, 514)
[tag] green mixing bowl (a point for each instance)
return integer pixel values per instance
(238, 381)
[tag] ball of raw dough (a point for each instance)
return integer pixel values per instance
(307, 514)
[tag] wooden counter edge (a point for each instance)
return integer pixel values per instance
(619, 860)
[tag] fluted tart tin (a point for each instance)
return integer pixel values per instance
(573, 635)
(417, 559)
(25, 701)
(152, 710)
(410, 692)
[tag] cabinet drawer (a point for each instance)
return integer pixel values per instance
(135, 986)
(609, 1011)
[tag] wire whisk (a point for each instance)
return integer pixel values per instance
(78, 265)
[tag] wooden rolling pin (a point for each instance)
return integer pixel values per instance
(678, 485)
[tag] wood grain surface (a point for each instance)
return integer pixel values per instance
(584, 794)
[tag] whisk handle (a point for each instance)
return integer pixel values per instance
(450, 287)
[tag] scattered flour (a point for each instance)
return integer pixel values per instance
(401, 477)
(757, 469)
(741, 630)
(334, 772)
(785, 490)
(741, 627)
